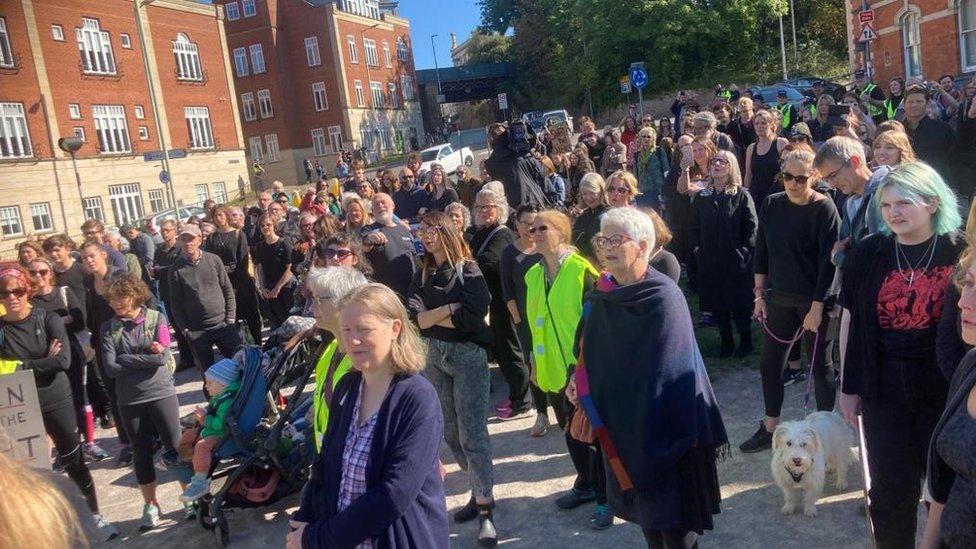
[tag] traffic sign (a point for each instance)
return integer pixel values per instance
(867, 33)
(163, 176)
(625, 84)
(503, 101)
(865, 16)
(638, 76)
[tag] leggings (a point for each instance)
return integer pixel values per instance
(668, 539)
(113, 400)
(509, 355)
(587, 458)
(247, 303)
(783, 320)
(77, 374)
(144, 421)
(62, 426)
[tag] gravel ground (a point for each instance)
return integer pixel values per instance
(529, 474)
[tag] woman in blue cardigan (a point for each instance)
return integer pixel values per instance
(377, 482)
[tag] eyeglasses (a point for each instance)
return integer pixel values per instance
(341, 254)
(16, 292)
(539, 229)
(611, 242)
(429, 231)
(618, 190)
(834, 173)
(39, 272)
(719, 162)
(320, 299)
(801, 179)
(485, 207)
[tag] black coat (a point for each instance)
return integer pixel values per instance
(523, 177)
(723, 228)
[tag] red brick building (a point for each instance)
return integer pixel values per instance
(76, 68)
(315, 77)
(916, 38)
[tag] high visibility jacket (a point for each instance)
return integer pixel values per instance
(320, 405)
(553, 313)
(890, 109)
(787, 111)
(725, 94)
(873, 110)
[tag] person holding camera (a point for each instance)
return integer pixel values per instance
(522, 175)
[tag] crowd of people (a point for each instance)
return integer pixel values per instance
(563, 268)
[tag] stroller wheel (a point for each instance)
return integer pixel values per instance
(220, 530)
(203, 513)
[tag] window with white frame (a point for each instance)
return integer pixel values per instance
(74, 111)
(249, 10)
(257, 59)
(10, 221)
(198, 126)
(232, 11)
(144, 133)
(257, 152)
(126, 202)
(318, 96)
(157, 200)
(264, 104)
(271, 142)
(366, 136)
(41, 219)
(247, 107)
(125, 40)
(113, 134)
(376, 90)
(57, 32)
(967, 34)
(203, 192)
(187, 59)
(366, 8)
(220, 192)
(140, 113)
(406, 85)
(385, 141)
(394, 97)
(911, 44)
(79, 132)
(335, 138)
(14, 138)
(386, 55)
(369, 46)
(353, 52)
(92, 206)
(360, 99)
(95, 47)
(401, 47)
(318, 142)
(312, 51)
(240, 61)
(6, 53)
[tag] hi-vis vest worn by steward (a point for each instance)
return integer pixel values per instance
(320, 405)
(553, 316)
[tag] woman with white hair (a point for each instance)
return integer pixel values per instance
(461, 216)
(723, 231)
(590, 207)
(638, 360)
(326, 288)
(490, 239)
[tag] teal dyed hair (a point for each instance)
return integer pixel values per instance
(918, 181)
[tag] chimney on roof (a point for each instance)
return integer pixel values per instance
(453, 41)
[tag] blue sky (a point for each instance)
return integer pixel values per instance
(440, 17)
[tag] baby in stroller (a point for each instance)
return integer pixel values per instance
(223, 382)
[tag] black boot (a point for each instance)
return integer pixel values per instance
(468, 512)
(745, 345)
(487, 536)
(728, 344)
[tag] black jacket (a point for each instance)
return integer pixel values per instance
(523, 177)
(723, 229)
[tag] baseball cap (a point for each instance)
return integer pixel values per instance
(781, 93)
(191, 230)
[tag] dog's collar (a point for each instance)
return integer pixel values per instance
(796, 477)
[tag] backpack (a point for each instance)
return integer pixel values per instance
(149, 327)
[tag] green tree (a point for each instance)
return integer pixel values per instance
(488, 48)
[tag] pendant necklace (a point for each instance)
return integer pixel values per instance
(900, 253)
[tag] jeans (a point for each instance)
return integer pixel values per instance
(225, 337)
(459, 373)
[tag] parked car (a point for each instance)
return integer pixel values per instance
(446, 156)
(806, 84)
(150, 224)
(793, 95)
(543, 119)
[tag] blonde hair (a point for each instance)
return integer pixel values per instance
(559, 222)
(898, 140)
(36, 513)
(408, 355)
(592, 182)
(769, 117)
(735, 175)
(626, 177)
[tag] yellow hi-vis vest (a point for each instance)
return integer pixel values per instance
(320, 407)
(553, 317)
(787, 112)
(891, 109)
(9, 366)
(866, 94)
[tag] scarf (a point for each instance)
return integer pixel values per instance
(641, 380)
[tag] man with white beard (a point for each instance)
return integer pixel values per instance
(389, 247)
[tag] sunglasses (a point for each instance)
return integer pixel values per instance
(719, 162)
(539, 229)
(39, 272)
(340, 254)
(618, 190)
(16, 292)
(801, 179)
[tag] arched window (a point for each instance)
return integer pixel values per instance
(967, 34)
(187, 59)
(911, 38)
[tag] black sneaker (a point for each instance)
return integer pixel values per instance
(791, 376)
(574, 498)
(761, 440)
(468, 512)
(487, 536)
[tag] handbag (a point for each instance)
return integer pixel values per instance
(580, 427)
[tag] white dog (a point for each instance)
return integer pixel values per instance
(803, 451)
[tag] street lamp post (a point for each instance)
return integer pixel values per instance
(436, 68)
(71, 145)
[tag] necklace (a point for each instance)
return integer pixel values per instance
(900, 253)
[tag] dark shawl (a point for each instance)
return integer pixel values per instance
(641, 379)
(940, 475)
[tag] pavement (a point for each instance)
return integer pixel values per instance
(530, 473)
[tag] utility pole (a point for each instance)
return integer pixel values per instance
(782, 47)
(437, 70)
(796, 55)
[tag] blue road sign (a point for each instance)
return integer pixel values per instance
(638, 77)
(163, 176)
